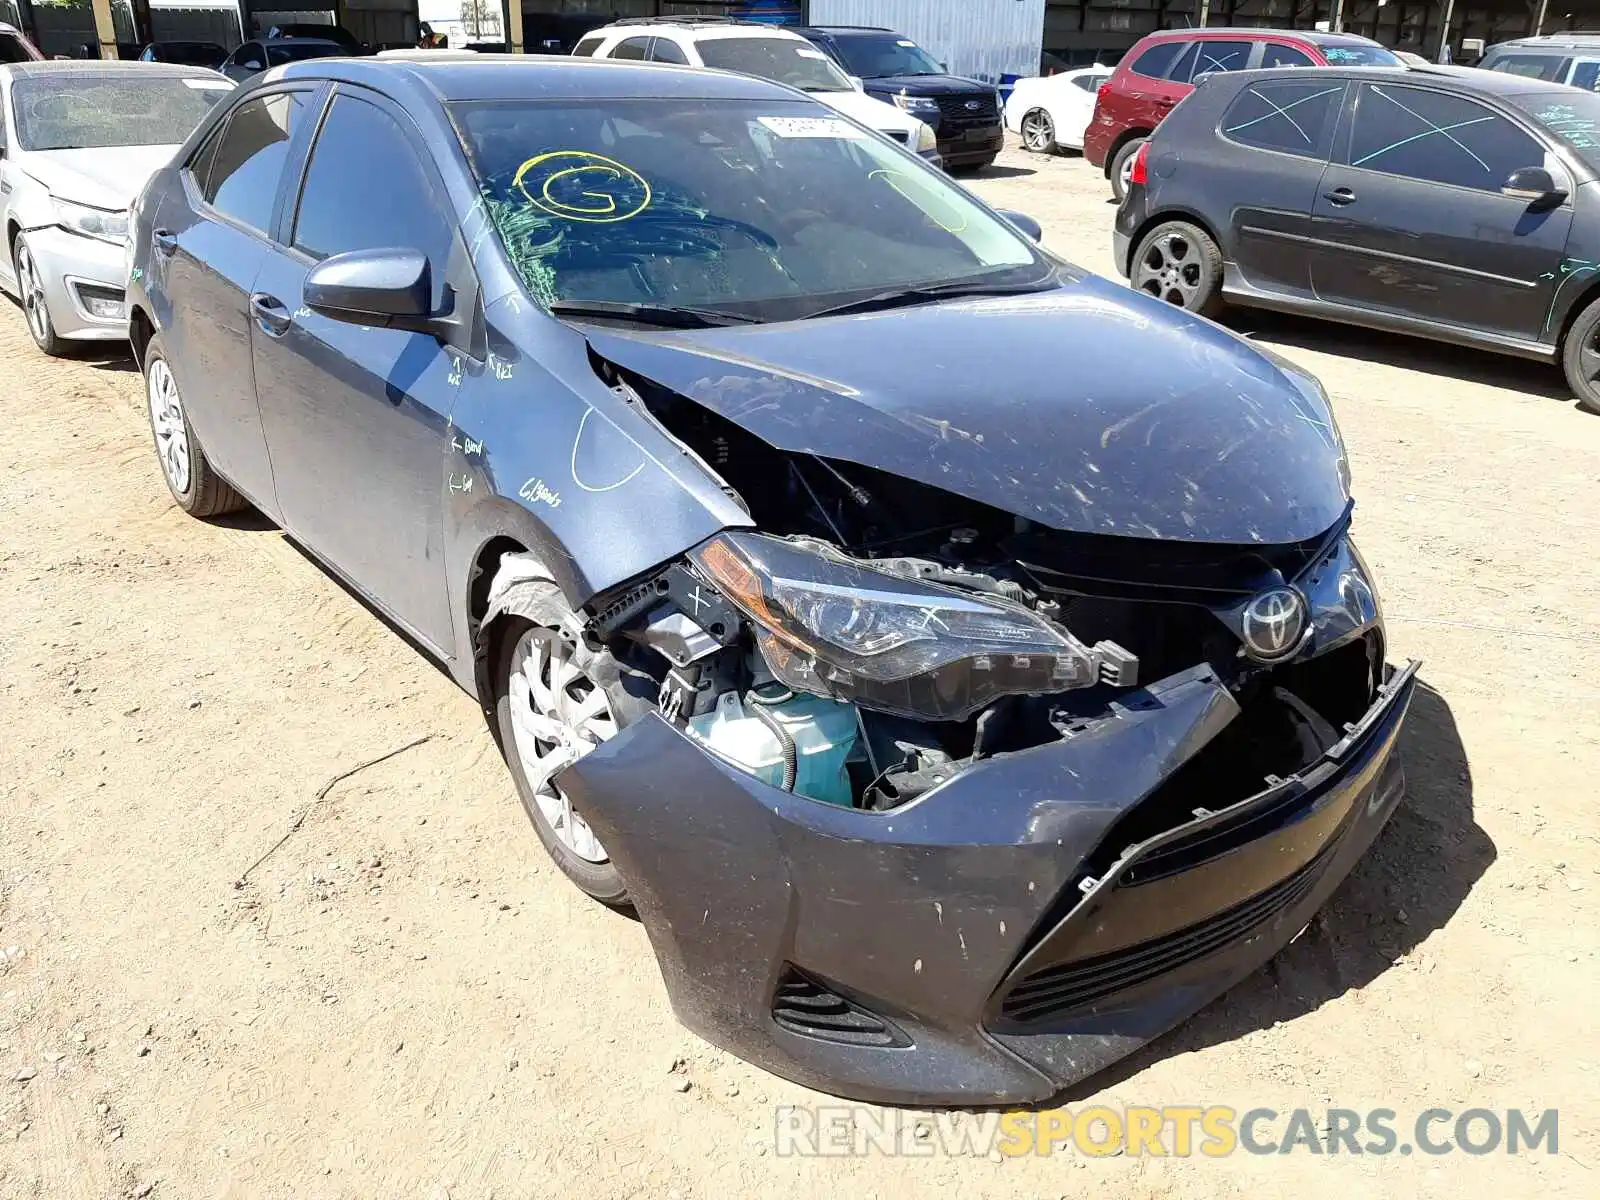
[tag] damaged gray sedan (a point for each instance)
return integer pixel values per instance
(960, 663)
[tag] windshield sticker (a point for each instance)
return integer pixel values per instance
(905, 42)
(208, 85)
(808, 52)
(1283, 110)
(1563, 121)
(1443, 131)
(811, 127)
(576, 185)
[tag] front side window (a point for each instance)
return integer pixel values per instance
(365, 189)
(1209, 57)
(792, 61)
(1437, 137)
(1585, 74)
(1154, 62)
(242, 176)
(635, 48)
(771, 209)
(1549, 67)
(668, 51)
(874, 56)
(1090, 83)
(250, 56)
(1292, 117)
(73, 110)
(1277, 54)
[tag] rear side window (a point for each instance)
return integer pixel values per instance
(241, 179)
(1277, 54)
(1211, 57)
(1438, 138)
(634, 48)
(1090, 83)
(1585, 74)
(365, 189)
(1153, 63)
(587, 46)
(1290, 117)
(1549, 67)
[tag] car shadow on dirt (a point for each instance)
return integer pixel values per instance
(1408, 885)
(1406, 353)
(992, 171)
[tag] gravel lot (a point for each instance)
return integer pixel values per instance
(406, 1000)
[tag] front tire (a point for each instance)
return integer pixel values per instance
(35, 305)
(1580, 358)
(1122, 167)
(1179, 263)
(1038, 132)
(197, 488)
(554, 702)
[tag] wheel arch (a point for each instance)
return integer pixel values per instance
(1581, 299)
(1122, 139)
(1161, 218)
(141, 329)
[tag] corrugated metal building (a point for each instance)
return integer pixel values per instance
(982, 39)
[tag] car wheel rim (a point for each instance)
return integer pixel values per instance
(1036, 132)
(1589, 362)
(1170, 269)
(32, 289)
(1126, 171)
(558, 714)
(166, 419)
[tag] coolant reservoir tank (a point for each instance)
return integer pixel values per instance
(824, 733)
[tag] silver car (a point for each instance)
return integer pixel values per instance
(80, 139)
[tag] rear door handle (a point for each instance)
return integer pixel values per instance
(164, 240)
(270, 314)
(1340, 196)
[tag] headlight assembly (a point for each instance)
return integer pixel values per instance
(96, 223)
(926, 138)
(834, 626)
(919, 106)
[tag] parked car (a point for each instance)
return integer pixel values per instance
(1411, 58)
(1570, 58)
(15, 46)
(252, 58)
(1449, 202)
(963, 113)
(1162, 68)
(1053, 112)
(81, 139)
(189, 54)
(764, 51)
(955, 724)
(318, 33)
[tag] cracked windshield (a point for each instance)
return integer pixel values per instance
(72, 111)
(759, 211)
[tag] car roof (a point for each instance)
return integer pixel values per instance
(547, 77)
(701, 31)
(1300, 35)
(1466, 79)
(297, 41)
(1552, 41)
(855, 31)
(100, 66)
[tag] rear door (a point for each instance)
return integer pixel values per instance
(1141, 95)
(1409, 217)
(1274, 138)
(208, 245)
(357, 417)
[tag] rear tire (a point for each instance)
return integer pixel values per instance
(194, 484)
(1179, 263)
(1122, 166)
(1580, 358)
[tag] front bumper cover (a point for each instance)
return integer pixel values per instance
(945, 943)
(67, 260)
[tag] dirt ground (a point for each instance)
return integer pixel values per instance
(406, 1000)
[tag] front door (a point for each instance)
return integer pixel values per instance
(1410, 218)
(357, 418)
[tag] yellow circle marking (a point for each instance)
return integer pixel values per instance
(604, 210)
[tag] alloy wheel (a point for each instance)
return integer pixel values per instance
(1125, 173)
(32, 288)
(1170, 269)
(1038, 132)
(166, 419)
(558, 714)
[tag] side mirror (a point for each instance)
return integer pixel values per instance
(392, 289)
(1023, 223)
(1535, 185)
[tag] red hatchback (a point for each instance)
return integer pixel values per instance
(1163, 68)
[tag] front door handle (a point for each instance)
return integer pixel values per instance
(270, 314)
(164, 240)
(1340, 196)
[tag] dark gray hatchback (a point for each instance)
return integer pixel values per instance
(1451, 203)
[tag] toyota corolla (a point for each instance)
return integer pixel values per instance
(960, 663)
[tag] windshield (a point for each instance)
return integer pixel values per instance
(1572, 116)
(784, 60)
(875, 57)
(771, 210)
(75, 110)
(303, 48)
(1357, 54)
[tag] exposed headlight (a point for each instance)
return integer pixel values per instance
(97, 223)
(926, 138)
(920, 106)
(834, 626)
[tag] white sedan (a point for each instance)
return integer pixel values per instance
(1052, 111)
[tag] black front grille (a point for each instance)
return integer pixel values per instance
(956, 110)
(803, 1006)
(1070, 988)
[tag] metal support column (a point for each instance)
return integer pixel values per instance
(104, 28)
(511, 11)
(1538, 21)
(1444, 29)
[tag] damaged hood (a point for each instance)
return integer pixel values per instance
(1090, 408)
(108, 177)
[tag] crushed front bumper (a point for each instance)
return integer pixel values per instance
(75, 269)
(955, 951)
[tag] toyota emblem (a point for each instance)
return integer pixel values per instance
(974, 105)
(1273, 624)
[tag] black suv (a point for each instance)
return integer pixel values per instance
(964, 114)
(1448, 202)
